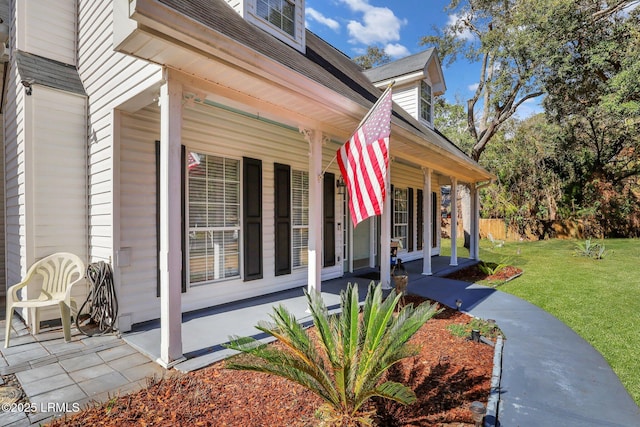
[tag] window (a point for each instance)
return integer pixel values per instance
(214, 218)
(280, 13)
(400, 215)
(425, 101)
(300, 217)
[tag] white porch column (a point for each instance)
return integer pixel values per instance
(170, 233)
(454, 220)
(314, 271)
(427, 232)
(474, 247)
(385, 236)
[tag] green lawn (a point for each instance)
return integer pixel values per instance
(599, 299)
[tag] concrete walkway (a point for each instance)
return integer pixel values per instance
(59, 377)
(550, 375)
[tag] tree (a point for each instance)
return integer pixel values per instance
(373, 58)
(495, 34)
(594, 95)
(353, 351)
(529, 188)
(581, 53)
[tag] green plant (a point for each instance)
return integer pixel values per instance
(353, 351)
(487, 328)
(491, 268)
(590, 250)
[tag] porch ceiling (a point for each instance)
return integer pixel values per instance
(216, 67)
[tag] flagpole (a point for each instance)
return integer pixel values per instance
(389, 86)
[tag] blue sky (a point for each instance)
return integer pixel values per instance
(352, 25)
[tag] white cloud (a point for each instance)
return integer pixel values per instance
(473, 87)
(462, 32)
(314, 15)
(396, 50)
(378, 24)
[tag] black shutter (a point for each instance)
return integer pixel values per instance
(252, 218)
(282, 183)
(420, 219)
(435, 220)
(329, 221)
(410, 225)
(392, 213)
(183, 200)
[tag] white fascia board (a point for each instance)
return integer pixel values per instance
(181, 30)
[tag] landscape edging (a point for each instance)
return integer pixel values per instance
(493, 403)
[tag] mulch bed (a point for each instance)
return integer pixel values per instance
(447, 376)
(473, 274)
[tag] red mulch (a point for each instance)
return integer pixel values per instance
(447, 376)
(473, 274)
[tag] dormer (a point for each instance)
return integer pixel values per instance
(283, 19)
(418, 79)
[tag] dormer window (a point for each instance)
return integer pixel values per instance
(280, 13)
(425, 101)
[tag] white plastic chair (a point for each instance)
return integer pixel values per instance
(59, 273)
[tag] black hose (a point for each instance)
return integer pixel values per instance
(102, 302)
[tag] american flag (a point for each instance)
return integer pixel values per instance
(364, 160)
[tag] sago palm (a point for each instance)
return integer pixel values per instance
(352, 354)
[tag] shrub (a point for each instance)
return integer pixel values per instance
(354, 351)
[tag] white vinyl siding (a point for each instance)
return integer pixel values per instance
(217, 132)
(214, 219)
(2, 219)
(55, 202)
(110, 78)
(51, 29)
(15, 178)
(137, 166)
(299, 218)
(407, 99)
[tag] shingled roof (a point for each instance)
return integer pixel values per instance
(322, 62)
(47, 72)
(407, 65)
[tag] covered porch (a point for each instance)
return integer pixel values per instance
(205, 331)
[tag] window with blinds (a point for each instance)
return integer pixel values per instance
(214, 218)
(400, 215)
(299, 217)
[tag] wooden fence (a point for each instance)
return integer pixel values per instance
(499, 230)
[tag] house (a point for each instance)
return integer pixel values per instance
(191, 142)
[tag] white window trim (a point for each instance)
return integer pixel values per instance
(207, 229)
(278, 27)
(422, 101)
(405, 212)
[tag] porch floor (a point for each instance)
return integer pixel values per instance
(205, 331)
